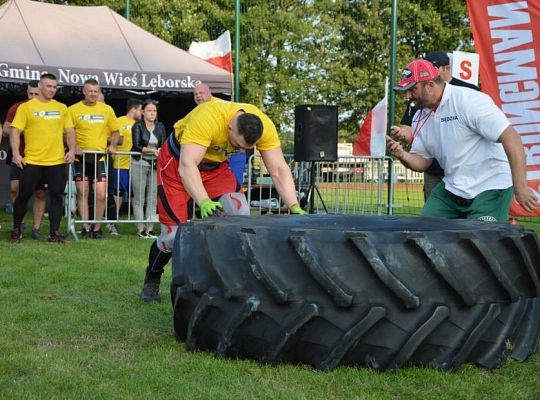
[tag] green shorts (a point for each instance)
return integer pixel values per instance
(491, 205)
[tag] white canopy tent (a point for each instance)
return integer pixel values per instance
(76, 43)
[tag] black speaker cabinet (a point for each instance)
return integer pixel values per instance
(315, 132)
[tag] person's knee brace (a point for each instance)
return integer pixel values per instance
(234, 204)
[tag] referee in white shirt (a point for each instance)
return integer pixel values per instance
(480, 152)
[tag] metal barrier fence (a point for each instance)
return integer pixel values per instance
(351, 185)
(135, 205)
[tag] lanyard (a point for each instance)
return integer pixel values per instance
(420, 123)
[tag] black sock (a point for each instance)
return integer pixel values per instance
(157, 259)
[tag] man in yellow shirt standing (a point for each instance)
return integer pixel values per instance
(44, 122)
(237, 161)
(92, 120)
(40, 196)
(193, 164)
(201, 93)
(122, 163)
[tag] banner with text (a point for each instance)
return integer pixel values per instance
(133, 80)
(507, 36)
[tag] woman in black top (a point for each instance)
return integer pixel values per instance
(148, 136)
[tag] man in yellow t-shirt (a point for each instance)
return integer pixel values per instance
(237, 161)
(193, 163)
(93, 120)
(44, 122)
(122, 163)
(201, 93)
(40, 195)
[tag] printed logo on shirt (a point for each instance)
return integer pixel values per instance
(126, 128)
(92, 119)
(487, 218)
(47, 114)
(448, 119)
(219, 149)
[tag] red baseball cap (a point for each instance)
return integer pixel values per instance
(417, 71)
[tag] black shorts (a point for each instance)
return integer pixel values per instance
(15, 175)
(90, 170)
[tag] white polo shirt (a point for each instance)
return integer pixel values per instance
(462, 134)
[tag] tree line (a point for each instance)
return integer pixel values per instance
(309, 51)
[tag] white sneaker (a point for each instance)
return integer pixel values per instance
(150, 235)
(112, 230)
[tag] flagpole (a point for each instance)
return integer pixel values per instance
(393, 45)
(385, 130)
(392, 98)
(236, 88)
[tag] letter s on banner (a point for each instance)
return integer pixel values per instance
(465, 66)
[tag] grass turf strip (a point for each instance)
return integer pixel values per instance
(72, 326)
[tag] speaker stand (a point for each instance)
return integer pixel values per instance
(313, 188)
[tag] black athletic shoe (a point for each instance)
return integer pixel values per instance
(36, 234)
(86, 234)
(150, 292)
(16, 235)
(98, 234)
(56, 237)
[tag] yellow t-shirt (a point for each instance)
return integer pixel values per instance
(207, 125)
(43, 125)
(93, 124)
(124, 124)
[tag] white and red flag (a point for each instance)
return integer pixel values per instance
(371, 138)
(217, 52)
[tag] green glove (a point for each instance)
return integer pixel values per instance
(296, 209)
(208, 207)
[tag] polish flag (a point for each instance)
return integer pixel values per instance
(217, 52)
(371, 138)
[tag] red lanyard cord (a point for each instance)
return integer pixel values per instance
(420, 124)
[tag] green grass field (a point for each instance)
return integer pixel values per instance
(72, 327)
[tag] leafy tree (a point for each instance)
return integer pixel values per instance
(337, 52)
(309, 51)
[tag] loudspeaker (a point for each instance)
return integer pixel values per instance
(315, 132)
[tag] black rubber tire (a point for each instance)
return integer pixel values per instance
(383, 292)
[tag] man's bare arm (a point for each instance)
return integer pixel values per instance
(513, 148)
(71, 141)
(115, 138)
(6, 129)
(188, 168)
(15, 142)
(281, 175)
(411, 161)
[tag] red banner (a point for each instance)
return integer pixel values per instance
(507, 36)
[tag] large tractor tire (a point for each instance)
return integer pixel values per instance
(381, 292)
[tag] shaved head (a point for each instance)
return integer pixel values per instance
(201, 93)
